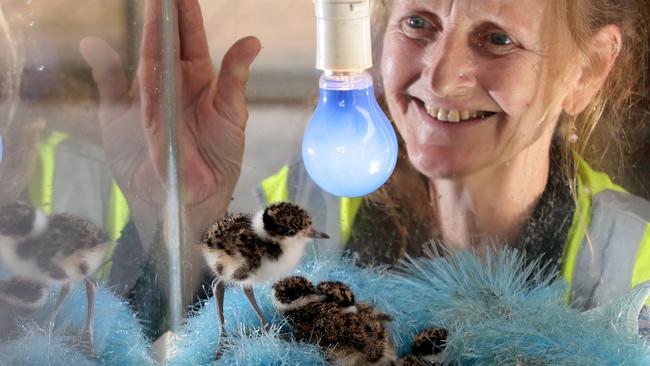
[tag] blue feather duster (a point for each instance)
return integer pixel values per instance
(498, 311)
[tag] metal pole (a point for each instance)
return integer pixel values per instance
(172, 213)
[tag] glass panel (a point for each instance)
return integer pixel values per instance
(75, 155)
(80, 200)
(128, 196)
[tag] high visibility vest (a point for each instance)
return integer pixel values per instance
(606, 253)
(608, 246)
(72, 177)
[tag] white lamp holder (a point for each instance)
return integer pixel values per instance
(343, 43)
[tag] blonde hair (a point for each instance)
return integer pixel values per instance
(605, 130)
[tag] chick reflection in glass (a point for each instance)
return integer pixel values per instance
(37, 251)
(57, 250)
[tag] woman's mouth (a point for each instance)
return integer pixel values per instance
(454, 115)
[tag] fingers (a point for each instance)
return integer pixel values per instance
(234, 73)
(151, 64)
(107, 70)
(194, 43)
(152, 30)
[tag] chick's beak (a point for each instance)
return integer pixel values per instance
(317, 234)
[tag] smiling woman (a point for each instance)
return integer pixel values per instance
(470, 64)
(499, 106)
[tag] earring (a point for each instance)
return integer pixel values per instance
(573, 133)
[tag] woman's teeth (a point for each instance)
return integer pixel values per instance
(453, 115)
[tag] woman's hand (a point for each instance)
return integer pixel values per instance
(212, 110)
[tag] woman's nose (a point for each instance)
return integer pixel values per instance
(449, 66)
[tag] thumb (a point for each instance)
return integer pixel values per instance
(107, 70)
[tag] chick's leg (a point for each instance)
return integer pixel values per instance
(248, 291)
(65, 290)
(219, 290)
(91, 287)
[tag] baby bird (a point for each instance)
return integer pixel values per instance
(245, 250)
(349, 333)
(336, 292)
(427, 348)
(57, 250)
(22, 293)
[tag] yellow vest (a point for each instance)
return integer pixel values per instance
(592, 185)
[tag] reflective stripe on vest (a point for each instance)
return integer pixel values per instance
(40, 184)
(116, 218)
(275, 186)
(590, 183)
(613, 255)
(349, 208)
(607, 247)
(46, 181)
(641, 272)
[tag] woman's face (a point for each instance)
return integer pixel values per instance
(501, 67)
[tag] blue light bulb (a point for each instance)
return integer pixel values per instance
(349, 147)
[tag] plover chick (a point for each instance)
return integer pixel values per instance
(348, 335)
(428, 346)
(337, 292)
(245, 250)
(20, 298)
(22, 293)
(57, 250)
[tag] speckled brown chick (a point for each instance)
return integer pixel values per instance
(57, 250)
(348, 335)
(428, 346)
(337, 292)
(245, 250)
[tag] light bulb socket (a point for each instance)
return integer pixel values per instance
(345, 81)
(343, 42)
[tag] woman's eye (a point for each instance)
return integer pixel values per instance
(500, 39)
(415, 21)
(418, 27)
(495, 43)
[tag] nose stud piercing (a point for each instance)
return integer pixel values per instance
(461, 75)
